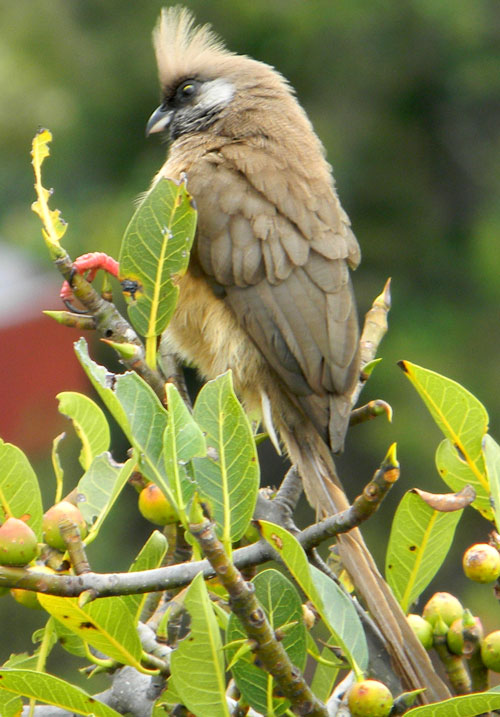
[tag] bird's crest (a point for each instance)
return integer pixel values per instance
(182, 48)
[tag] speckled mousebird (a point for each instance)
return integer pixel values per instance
(268, 292)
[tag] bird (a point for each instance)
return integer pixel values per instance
(268, 291)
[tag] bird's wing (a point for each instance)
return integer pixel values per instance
(285, 273)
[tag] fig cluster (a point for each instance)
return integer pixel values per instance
(19, 546)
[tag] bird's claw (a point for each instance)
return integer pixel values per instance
(88, 264)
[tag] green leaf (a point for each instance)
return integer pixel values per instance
(459, 415)
(465, 706)
(197, 664)
(68, 640)
(103, 382)
(282, 605)
(332, 604)
(229, 476)
(10, 705)
(22, 660)
(89, 422)
(491, 451)
(419, 542)
(325, 673)
(150, 557)
(457, 473)
(106, 624)
(19, 490)
(99, 488)
(155, 251)
(138, 412)
(183, 440)
(53, 691)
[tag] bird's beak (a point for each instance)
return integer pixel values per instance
(159, 121)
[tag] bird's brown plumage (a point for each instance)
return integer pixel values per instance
(273, 242)
(268, 292)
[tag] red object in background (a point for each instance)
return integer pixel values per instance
(37, 356)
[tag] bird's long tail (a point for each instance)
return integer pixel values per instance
(325, 494)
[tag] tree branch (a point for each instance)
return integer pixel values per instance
(245, 606)
(175, 576)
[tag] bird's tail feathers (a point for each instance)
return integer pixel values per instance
(324, 492)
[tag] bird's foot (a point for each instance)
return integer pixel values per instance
(88, 264)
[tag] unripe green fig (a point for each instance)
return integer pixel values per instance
(18, 543)
(155, 506)
(490, 651)
(29, 598)
(422, 629)
(455, 638)
(369, 698)
(481, 563)
(445, 606)
(54, 517)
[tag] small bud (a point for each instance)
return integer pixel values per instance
(481, 563)
(369, 698)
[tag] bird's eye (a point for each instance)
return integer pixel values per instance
(185, 91)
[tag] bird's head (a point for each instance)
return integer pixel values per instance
(203, 84)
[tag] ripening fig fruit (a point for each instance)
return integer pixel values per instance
(29, 598)
(369, 698)
(455, 638)
(155, 506)
(490, 651)
(481, 563)
(422, 629)
(54, 517)
(445, 606)
(18, 543)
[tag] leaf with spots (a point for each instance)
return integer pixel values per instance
(19, 490)
(419, 542)
(106, 624)
(155, 253)
(457, 473)
(52, 691)
(332, 604)
(228, 477)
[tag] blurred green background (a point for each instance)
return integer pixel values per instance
(406, 98)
